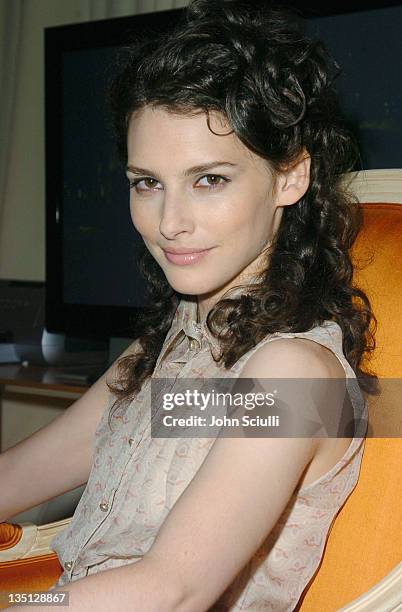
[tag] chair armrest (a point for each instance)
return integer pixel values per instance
(28, 540)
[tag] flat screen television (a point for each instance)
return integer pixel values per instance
(93, 288)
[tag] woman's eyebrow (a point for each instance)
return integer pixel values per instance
(189, 172)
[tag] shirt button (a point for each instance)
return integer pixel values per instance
(104, 506)
(131, 441)
(68, 565)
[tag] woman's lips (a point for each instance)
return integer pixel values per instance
(185, 259)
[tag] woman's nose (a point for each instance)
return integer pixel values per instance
(176, 216)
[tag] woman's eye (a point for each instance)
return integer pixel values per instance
(213, 180)
(146, 180)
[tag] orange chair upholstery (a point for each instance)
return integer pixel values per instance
(26, 562)
(364, 544)
(10, 535)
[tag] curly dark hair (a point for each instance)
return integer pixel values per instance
(254, 64)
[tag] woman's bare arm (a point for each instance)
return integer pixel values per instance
(224, 514)
(57, 457)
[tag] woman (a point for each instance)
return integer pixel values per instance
(234, 148)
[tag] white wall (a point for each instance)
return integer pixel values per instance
(22, 228)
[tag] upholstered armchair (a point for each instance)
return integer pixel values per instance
(361, 570)
(362, 558)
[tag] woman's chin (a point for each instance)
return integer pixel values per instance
(189, 286)
(186, 288)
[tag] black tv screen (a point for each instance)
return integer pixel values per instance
(96, 217)
(93, 286)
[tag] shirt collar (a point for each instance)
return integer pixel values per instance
(185, 319)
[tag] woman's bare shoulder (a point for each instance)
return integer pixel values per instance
(294, 357)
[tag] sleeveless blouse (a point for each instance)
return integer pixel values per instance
(135, 480)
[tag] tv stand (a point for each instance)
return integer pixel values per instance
(67, 381)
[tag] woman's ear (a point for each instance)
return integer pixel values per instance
(293, 182)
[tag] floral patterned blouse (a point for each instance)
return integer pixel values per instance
(136, 479)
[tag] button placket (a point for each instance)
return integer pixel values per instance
(105, 505)
(193, 344)
(134, 442)
(105, 508)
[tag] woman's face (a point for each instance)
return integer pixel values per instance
(228, 208)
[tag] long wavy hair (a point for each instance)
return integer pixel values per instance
(274, 86)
